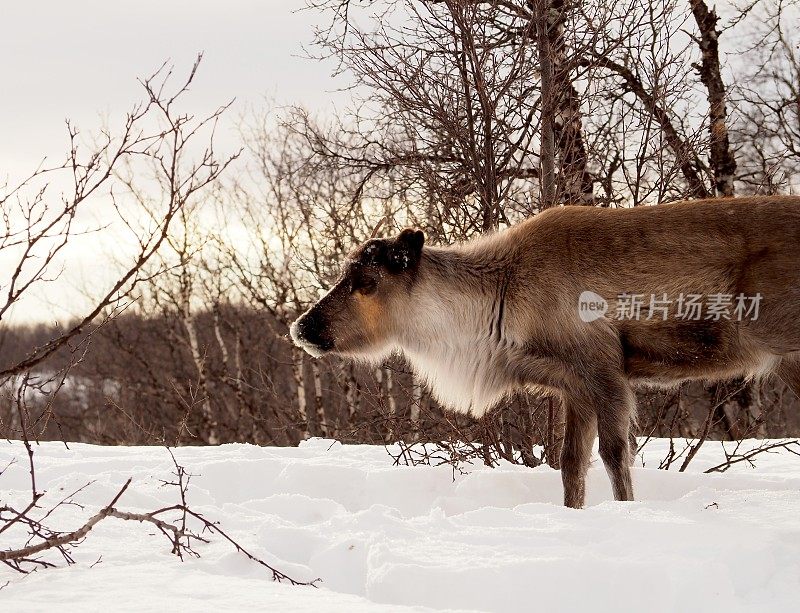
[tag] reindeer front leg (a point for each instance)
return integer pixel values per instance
(597, 400)
(607, 402)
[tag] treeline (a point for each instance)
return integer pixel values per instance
(138, 384)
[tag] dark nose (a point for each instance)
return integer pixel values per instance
(311, 328)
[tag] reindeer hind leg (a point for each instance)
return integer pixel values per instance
(614, 419)
(579, 434)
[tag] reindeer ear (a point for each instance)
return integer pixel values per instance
(374, 253)
(406, 251)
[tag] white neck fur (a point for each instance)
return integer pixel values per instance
(450, 337)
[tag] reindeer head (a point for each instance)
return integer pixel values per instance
(358, 316)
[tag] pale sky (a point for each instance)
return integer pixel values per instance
(80, 60)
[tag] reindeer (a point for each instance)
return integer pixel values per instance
(509, 311)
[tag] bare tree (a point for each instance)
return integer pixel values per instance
(39, 232)
(35, 234)
(723, 163)
(767, 136)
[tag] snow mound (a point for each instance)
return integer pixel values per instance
(396, 538)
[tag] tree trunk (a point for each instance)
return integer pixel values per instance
(385, 375)
(352, 394)
(236, 377)
(547, 186)
(319, 406)
(574, 184)
(391, 403)
(723, 162)
(416, 404)
(209, 423)
(547, 152)
(300, 387)
(723, 166)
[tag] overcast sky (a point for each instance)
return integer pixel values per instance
(80, 60)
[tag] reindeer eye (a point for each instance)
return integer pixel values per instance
(363, 284)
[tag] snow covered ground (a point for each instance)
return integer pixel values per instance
(389, 538)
